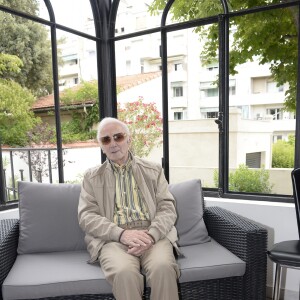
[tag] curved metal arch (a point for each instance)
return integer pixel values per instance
(112, 18)
(50, 10)
(165, 12)
(170, 3)
(225, 6)
(97, 18)
(56, 92)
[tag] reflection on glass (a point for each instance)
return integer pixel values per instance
(262, 108)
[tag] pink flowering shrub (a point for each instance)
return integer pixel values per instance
(145, 124)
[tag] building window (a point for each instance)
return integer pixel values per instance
(259, 85)
(178, 115)
(273, 88)
(140, 23)
(276, 113)
(209, 89)
(212, 67)
(212, 115)
(178, 67)
(265, 85)
(177, 91)
(232, 90)
(277, 138)
(253, 160)
(75, 80)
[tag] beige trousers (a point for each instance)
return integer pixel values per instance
(123, 271)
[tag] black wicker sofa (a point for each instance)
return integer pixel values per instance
(228, 263)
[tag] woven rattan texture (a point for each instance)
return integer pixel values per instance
(9, 234)
(242, 237)
(246, 240)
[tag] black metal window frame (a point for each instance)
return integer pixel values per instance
(105, 13)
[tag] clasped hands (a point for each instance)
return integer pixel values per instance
(138, 241)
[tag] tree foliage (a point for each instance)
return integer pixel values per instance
(269, 36)
(283, 153)
(9, 65)
(16, 119)
(28, 41)
(248, 180)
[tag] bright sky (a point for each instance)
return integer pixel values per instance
(71, 13)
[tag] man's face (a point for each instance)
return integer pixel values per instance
(116, 151)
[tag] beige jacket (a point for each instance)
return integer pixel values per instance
(96, 204)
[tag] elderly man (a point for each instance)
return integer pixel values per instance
(128, 215)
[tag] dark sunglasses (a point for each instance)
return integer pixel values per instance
(118, 137)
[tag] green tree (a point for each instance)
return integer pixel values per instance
(28, 41)
(283, 153)
(16, 119)
(248, 180)
(269, 36)
(9, 65)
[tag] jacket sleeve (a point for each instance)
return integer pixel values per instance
(165, 216)
(90, 219)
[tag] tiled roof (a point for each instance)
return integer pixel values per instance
(124, 83)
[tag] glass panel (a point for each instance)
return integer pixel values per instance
(77, 58)
(239, 5)
(262, 124)
(193, 106)
(29, 7)
(78, 87)
(134, 16)
(74, 14)
(187, 10)
(138, 69)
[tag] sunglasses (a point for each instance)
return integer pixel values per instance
(118, 137)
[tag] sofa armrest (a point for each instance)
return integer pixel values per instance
(9, 235)
(245, 239)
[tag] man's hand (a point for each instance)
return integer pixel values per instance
(138, 251)
(136, 238)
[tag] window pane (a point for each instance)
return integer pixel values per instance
(74, 14)
(139, 87)
(193, 133)
(261, 130)
(134, 16)
(77, 60)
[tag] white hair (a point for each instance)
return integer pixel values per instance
(109, 120)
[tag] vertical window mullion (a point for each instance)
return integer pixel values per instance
(297, 133)
(223, 118)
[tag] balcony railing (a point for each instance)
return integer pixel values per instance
(30, 164)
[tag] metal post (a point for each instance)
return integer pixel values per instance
(297, 133)
(277, 283)
(56, 93)
(2, 184)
